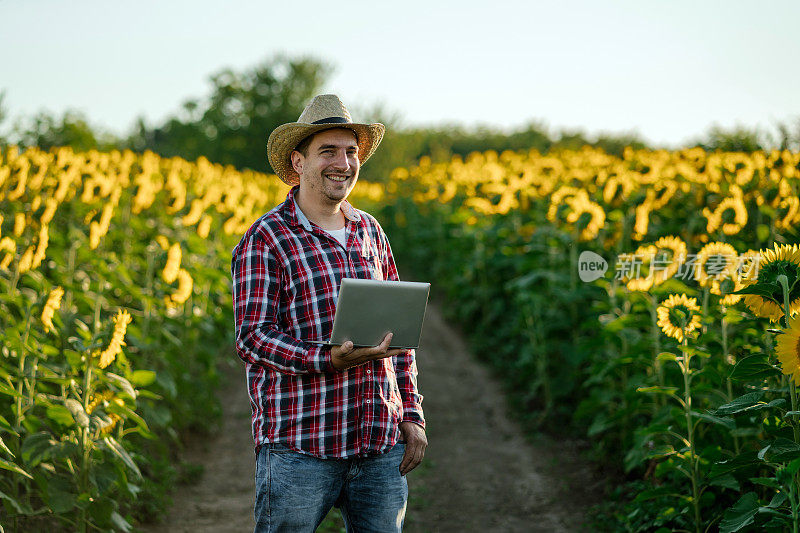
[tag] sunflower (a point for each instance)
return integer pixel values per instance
(558, 198)
(642, 221)
(678, 316)
(715, 218)
(635, 270)
(716, 261)
(121, 321)
(783, 259)
(670, 255)
(792, 215)
(581, 205)
(788, 350)
(746, 269)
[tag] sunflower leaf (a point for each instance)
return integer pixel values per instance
(746, 403)
(728, 422)
(765, 290)
(658, 390)
(741, 514)
(753, 367)
(743, 460)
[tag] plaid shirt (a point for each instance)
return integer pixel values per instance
(286, 273)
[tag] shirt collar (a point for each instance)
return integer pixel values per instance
(295, 215)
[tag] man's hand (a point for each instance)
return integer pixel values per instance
(345, 356)
(416, 442)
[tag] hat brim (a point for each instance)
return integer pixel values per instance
(285, 138)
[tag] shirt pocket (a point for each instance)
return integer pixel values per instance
(374, 266)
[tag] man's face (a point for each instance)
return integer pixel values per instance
(330, 169)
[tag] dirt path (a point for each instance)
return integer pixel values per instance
(479, 473)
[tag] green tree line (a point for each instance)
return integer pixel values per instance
(230, 125)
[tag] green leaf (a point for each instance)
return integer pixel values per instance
(123, 383)
(762, 232)
(667, 356)
(658, 390)
(120, 452)
(9, 390)
(728, 422)
(727, 481)
(765, 290)
(740, 461)
(7, 465)
(38, 447)
(793, 466)
(777, 500)
(78, 412)
(18, 506)
(4, 425)
(662, 450)
(59, 497)
(101, 509)
(747, 403)
(741, 514)
(128, 414)
(780, 451)
(5, 448)
(74, 358)
(754, 367)
(59, 414)
(770, 482)
(143, 378)
(120, 522)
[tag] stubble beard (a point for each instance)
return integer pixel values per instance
(337, 192)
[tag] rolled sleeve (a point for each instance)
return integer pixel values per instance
(406, 372)
(405, 364)
(257, 282)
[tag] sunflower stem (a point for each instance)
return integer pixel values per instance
(656, 329)
(784, 281)
(687, 406)
(728, 360)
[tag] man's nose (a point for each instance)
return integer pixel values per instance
(341, 161)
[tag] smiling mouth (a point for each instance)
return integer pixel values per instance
(337, 178)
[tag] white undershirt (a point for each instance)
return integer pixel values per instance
(338, 234)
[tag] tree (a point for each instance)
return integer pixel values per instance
(72, 129)
(231, 125)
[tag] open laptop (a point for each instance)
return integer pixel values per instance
(368, 309)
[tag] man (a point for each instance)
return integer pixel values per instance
(339, 426)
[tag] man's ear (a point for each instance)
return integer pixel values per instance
(297, 161)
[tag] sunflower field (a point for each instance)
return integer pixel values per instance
(115, 309)
(640, 299)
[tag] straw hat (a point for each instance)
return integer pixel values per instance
(324, 112)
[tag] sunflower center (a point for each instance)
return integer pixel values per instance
(728, 216)
(716, 265)
(679, 316)
(584, 220)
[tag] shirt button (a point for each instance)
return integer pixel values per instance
(369, 371)
(369, 401)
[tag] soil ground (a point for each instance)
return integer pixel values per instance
(480, 472)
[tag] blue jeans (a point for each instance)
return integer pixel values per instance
(295, 491)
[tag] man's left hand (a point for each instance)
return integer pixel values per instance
(416, 442)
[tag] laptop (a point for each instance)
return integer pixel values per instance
(368, 309)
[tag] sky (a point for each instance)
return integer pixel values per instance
(666, 70)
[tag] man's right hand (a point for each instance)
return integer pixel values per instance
(345, 356)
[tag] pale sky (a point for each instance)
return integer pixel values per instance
(665, 69)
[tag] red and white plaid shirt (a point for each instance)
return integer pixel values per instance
(286, 273)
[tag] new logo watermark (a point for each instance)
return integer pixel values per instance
(591, 266)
